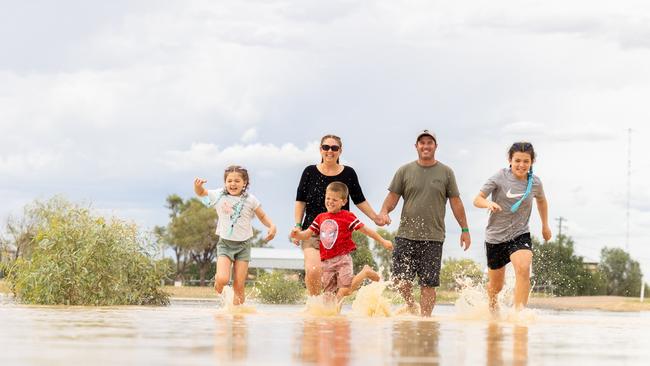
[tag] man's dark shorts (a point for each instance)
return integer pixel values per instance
(498, 255)
(417, 257)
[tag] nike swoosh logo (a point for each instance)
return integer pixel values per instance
(511, 195)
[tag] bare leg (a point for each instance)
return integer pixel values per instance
(427, 300)
(366, 272)
(521, 261)
(494, 286)
(313, 271)
(405, 288)
(222, 277)
(342, 292)
(241, 272)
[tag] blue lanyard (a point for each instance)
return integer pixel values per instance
(237, 208)
(529, 188)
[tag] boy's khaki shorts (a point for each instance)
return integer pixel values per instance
(235, 250)
(337, 273)
(312, 242)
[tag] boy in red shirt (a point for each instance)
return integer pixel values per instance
(335, 228)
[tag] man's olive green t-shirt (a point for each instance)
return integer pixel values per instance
(425, 190)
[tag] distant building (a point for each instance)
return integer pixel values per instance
(271, 258)
(590, 266)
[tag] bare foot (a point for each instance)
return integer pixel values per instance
(413, 309)
(370, 273)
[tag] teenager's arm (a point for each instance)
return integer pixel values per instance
(459, 213)
(198, 187)
(264, 219)
(542, 207)
(481, 201)
(375, 235)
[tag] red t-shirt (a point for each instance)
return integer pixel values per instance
(335, 233)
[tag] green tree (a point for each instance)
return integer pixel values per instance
(175, 205)
(383, 255)
(556, 266)
(20, 234)
(455, 272)
(362, 255)
(194, 230)
(623, 274)
(82, 259)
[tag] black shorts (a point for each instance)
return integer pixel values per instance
(498, 255)
(417, 257)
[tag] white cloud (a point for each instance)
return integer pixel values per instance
(208, 157)
(249, 135)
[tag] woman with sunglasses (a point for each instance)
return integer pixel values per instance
(507, 236)
(310, 201)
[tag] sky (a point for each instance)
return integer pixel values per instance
(122, 103)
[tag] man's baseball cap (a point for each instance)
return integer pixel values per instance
(427, 133)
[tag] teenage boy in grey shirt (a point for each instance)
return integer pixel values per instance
(425, 185)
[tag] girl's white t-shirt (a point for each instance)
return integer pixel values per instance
(226, 205)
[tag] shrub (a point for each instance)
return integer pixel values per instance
(455, 273)
(81, 259)
(277, 288)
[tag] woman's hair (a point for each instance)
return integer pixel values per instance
(524, 147)
(338, 139)
(237, 169)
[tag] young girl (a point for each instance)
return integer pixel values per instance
(507, 236)
(236, 209)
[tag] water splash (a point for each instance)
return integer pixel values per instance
(322, 305)
(370, 301)
(226, 300)
(473, 304)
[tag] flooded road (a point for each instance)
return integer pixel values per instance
(196, 333)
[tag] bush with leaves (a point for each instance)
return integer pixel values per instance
(82, 259)
(278, 288)
(456, 272)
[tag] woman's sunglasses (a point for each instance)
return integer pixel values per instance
(334, 148)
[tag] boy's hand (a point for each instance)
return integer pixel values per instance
(293, 236)
(387, 244)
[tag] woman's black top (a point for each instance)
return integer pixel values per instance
(311, 190)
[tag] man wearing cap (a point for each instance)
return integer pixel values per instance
(425, 185)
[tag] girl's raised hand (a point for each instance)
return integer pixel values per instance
(199, 182)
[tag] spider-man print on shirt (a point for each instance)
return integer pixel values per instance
(329, 231)
(335, 232)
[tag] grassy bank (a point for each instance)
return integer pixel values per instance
(4, 287)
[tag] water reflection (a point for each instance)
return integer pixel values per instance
(324, 341)
(416, 342)
(230, 338)
(495, 354)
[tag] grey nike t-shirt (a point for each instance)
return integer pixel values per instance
(506, 190)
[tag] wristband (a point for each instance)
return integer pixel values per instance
(465, 230)
(298, 224)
